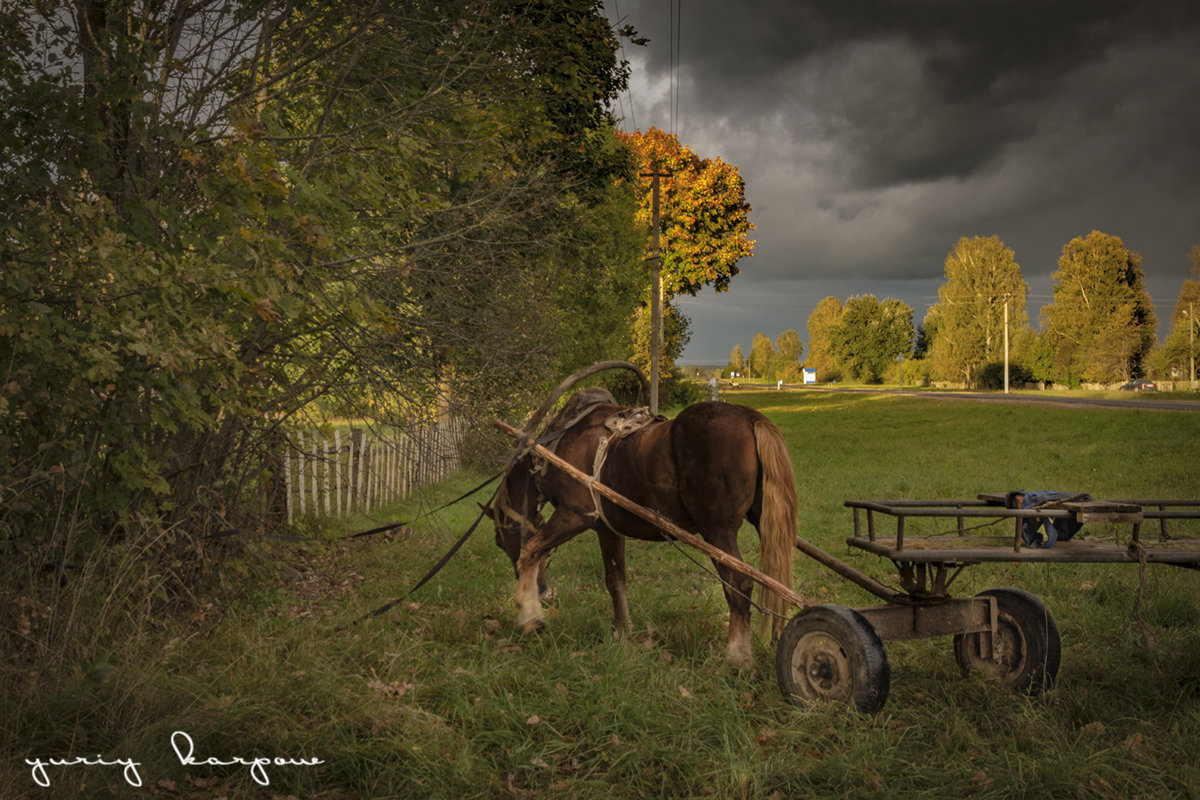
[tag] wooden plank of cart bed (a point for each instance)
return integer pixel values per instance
(1105, 511)
(1087, 510)
(1071, 552)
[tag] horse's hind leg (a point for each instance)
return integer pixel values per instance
(737, 588)
(737, 594)
(612, 550)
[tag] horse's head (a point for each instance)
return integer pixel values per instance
(515, 511)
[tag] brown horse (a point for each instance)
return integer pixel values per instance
(708, 469)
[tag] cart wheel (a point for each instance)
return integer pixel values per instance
(831, 652)
(1026, 649)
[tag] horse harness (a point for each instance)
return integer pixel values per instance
(619, 426)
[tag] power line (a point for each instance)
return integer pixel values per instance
(671, 68)
(629, 83)
(674, 65)
(676, 26)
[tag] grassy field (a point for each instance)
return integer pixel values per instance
(441, 698)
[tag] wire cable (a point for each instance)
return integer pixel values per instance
(628, 84)
(678, 63)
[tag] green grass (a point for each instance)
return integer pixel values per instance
(440, 697)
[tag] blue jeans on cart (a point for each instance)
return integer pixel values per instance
(1056, 528)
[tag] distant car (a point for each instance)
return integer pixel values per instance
(1139, 386)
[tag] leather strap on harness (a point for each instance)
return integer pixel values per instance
(621, 425)
(597, 465)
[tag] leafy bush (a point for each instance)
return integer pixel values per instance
(380, 213)
(991, 375)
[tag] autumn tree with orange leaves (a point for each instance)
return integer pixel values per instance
(704, 216)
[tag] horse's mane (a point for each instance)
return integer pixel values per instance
(571, 412)
(578, 405)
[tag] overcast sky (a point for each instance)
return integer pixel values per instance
(873, 135)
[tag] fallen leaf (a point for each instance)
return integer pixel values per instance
(220, 703)
(395, 689)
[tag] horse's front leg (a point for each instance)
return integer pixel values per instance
(562, 526)
(545, 591)
(612, 550)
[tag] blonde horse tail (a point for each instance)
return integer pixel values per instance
(777, 526)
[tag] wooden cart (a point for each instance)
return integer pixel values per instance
(1006, 634)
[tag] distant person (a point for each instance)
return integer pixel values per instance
(714, 390)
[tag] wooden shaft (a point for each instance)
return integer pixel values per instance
(848, 572)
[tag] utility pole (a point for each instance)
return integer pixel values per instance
(655, 288)
(1006, 343)
(1191, 315)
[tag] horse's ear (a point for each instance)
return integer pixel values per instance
(487, 511)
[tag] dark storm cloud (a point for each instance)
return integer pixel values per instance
(873, 135)
(913, 90)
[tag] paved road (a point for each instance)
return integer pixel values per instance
(1139, 402)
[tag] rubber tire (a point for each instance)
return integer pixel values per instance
(831, 653)
(1027, 640)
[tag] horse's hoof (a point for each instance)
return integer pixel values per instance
(532, 626)
(740, 664)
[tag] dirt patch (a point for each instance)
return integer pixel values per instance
(315, 581)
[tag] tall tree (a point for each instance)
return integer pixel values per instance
(982, 279)
(788, 349)
(871, 335)
(676, 334)
(762, 354)
(821, 323)
(705, 219)
(597, 277)
(789, 346)
(1189, 292)
(1177, 356)
(219, 218)
(1100, 326)
(737, 360)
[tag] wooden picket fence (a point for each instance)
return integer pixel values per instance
(343, 473)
